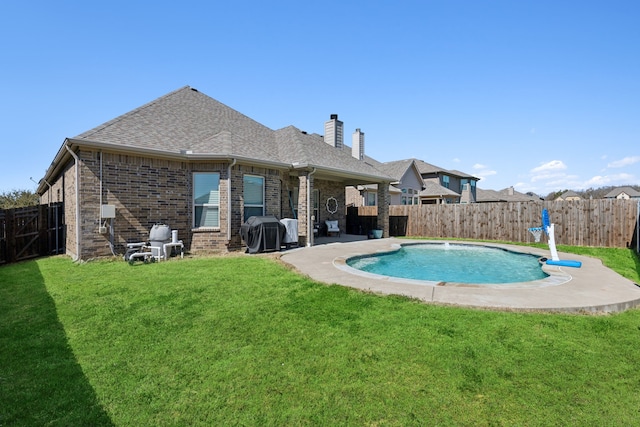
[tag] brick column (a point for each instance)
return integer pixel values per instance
(305, 236)
(383, 208)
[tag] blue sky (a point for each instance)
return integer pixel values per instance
(541, 95)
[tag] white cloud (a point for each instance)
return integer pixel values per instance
(456, 160)
(566, 181)
(630, 160)
(483, 171)
(555, 175)
(524, 187)
(547, 176)
(553, 165)
(616, 179)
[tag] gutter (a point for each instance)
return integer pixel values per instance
(77, 185)
(177, 155)
(341, 172)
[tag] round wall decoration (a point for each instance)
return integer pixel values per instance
(332, 205)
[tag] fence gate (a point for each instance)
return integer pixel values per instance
(31, 232)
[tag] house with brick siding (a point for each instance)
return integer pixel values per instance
(199, 166)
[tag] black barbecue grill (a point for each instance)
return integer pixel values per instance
(262, 234)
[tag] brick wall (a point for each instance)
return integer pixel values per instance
(63, 190)
(331, 189)
(146, 191)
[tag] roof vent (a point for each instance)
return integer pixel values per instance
(194, 89)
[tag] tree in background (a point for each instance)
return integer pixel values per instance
(18, 199)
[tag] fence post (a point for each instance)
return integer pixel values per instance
(638, 229)
(43, 230)
(4, 244)
(11, 236)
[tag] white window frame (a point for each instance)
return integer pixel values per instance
(254, 205)
(211, 204)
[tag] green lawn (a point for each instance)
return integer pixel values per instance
(241, 340)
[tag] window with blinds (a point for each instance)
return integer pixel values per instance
(253, 193)
(206, 200)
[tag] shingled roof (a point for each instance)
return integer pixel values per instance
(428, 168)
(630, 191)
(188, 123)
(505, 195)
(432, 189)
(395, 169)
(182, 120)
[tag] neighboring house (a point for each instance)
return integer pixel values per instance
(623, 193)
(446, 186)
(505, 195)
(190, 162)
(419, 182)
(403, 190)
(367, 195)
(436, 194)
(569, 195)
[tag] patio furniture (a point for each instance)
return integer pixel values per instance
(332, 227)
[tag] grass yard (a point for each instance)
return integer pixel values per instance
(241, 340)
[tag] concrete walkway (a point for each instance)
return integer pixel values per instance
(591, 288)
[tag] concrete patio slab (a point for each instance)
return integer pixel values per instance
(592, 288)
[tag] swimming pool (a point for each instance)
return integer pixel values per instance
(454, 263)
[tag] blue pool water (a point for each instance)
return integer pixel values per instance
(456, 263)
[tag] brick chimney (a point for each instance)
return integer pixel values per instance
(333, 132)
(357, 144)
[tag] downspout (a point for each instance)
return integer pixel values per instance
(77, 184)
(309, 210)
(100, 213)
(112, 220)
(231, 165)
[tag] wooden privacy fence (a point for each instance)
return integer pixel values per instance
(31, 232)
(361, 221)
(599, 223)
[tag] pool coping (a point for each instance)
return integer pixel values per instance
(592, 288)
(555, 276)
